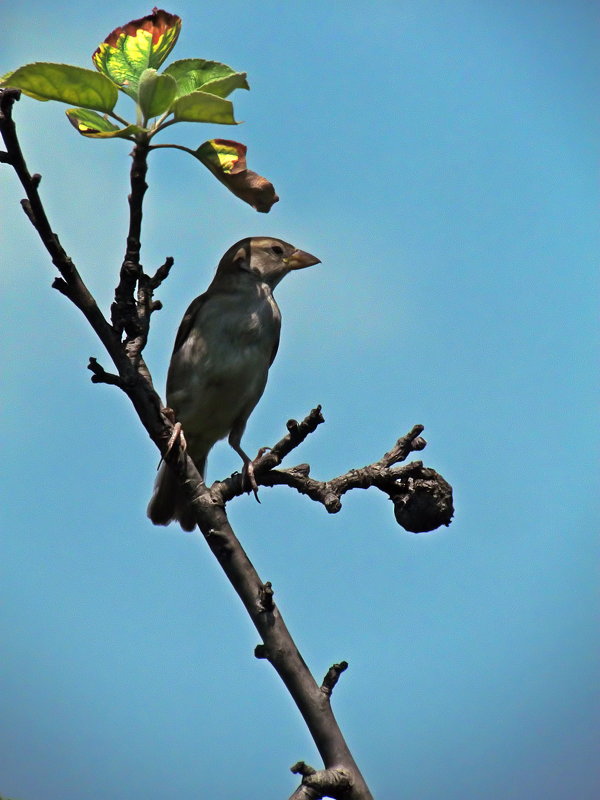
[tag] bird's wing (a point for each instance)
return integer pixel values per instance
(188, 320)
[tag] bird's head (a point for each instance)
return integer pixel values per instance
(265, 259)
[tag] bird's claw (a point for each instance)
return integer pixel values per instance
(176, 435)
(248, 478)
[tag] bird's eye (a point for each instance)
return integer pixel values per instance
(277, 249)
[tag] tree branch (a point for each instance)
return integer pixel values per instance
(341, 777)
(422, 498)
(78, 291)
(278, 646)
(123, 311)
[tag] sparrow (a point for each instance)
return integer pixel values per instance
(225, 344)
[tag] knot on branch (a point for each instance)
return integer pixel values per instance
(220, 543)
(261, 651)
(422, 502)
(265, 597)
(335, 782)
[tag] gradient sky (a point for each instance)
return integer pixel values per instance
(441, 159)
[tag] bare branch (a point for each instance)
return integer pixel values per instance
(297, 432)
(124, 311)
(101, 376)
(407, 444)
(134, 304)
(422, 498)
(161, 273)
(78, 291)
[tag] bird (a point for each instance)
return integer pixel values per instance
(225, 345)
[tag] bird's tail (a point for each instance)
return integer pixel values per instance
(168, 501)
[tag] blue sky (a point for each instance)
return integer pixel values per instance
(440, 159)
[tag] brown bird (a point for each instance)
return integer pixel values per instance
(224, 347)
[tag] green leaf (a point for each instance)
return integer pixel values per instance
(223, 87)
(203, 107)
(136, 46)
(227, 162)
(155, 93)
(223, 156)
(210, 76)
(94, 126)
(63, 82)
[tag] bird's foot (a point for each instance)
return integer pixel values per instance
(249, 479)
(176, 436)
(248, 471)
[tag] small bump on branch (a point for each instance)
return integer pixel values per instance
(219, 542)
(63, 287)
(332, 677)
(335, 782)
(265, 597)
(260, 651)
(26, 206)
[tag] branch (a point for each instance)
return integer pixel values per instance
(72, 285)
(277, 644)
(101, 376)
(123, 311)
(136, 380)
(422, 498)
(161, 274)
(133, 303)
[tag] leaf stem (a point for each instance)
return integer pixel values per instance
(118, 118)
(174, 146)
(158, 125)
(161, 126)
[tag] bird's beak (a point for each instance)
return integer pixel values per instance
(300, 259)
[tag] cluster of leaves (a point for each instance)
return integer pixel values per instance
(189, 90)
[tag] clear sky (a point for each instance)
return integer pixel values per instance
(441, 160)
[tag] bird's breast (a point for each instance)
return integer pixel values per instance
(220, 371)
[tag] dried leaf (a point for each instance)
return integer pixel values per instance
(227, 161)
